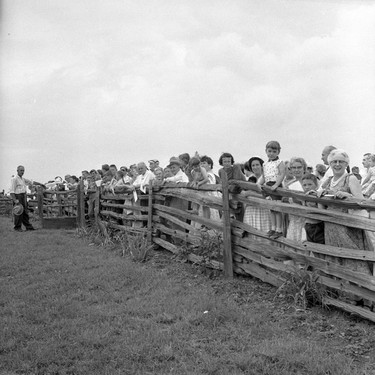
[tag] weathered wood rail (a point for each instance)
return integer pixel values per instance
(164, 217)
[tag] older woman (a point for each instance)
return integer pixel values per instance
(343, 185)
(257, 217)
(296, 225)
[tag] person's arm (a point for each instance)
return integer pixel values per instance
(176, 178)
(205, 178)
(355, 190)
(12, 192)
(261, 180)
(367, 178)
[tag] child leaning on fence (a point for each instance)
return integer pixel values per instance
(273, 176)
(199, 178)
(314, 228)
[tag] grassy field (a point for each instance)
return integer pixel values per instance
(68, 307)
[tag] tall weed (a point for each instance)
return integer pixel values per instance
(303, 289)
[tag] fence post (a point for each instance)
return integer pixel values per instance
(59, 202)
(149, 216)
(80, 205)
(40, 204)
(97, 203)
(228, 261)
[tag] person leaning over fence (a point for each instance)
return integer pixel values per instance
(184, 160)
(233, 172)
(314, 228)
(257, 217)
(295, 229)
(142, 183)
(144, 177)
(159, 177)
(178, 175)
(343, 185)
(207, 163)
(18, 193)
(175, 202)
(199, 178)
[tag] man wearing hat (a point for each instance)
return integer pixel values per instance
(18, 187)
(178, 174)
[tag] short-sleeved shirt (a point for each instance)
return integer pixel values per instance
(18, 185)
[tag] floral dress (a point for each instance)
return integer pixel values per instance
(342, 236)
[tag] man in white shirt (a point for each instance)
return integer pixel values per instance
(141, 182)
(144, 177)
(18, 192)
(178, 174)
(326, 151)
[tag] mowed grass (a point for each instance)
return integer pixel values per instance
(70, 308)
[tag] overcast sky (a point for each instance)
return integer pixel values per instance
(117, 81)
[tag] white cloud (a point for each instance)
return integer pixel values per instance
(120, 81)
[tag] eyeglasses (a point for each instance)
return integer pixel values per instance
(338, 161)
(296, 167)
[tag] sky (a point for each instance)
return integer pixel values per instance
(88, 82)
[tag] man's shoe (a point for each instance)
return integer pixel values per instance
(18, 230)
(31, 228)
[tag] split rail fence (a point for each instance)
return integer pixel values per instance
(164, 217)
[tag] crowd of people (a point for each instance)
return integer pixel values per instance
(331, 178)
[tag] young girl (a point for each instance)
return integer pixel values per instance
(199, 178)
(207, 163)
(273, 176)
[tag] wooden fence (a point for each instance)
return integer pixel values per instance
(164, 216)
(58, 209)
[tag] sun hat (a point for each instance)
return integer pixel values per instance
(18, 209)
(338, 154)
(174, 160)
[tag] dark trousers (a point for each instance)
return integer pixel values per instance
(24, 218)
(315, 232)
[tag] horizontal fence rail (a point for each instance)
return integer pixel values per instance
(165, 216)
(217, 237)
